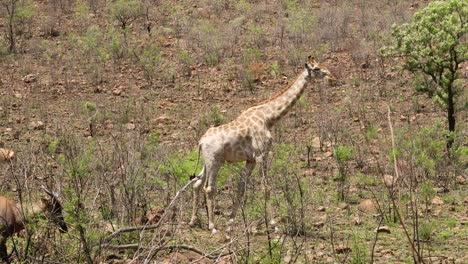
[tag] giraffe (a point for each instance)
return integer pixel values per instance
(247, 138)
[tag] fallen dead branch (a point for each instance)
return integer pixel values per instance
(105, 242)
(169, 247)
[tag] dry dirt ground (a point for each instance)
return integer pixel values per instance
(48, 95)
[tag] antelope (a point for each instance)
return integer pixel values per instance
(12, 219)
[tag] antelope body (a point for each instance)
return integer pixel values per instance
(12, 220)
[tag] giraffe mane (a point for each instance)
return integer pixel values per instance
(278, 94)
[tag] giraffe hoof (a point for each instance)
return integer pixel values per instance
(194, 223)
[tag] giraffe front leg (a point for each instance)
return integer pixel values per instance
(262, 159)
(241, 186)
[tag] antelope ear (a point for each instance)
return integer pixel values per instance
(44, 202)
(311, 59)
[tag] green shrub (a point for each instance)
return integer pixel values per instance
(92, 51)
(426, 229)
(256, 36)
(82, 14)
(214, 118)
(343, 155)
(359, 251)
(428, 155)
(125, 12)
(275, 70)
(150, 59)
(24, 16)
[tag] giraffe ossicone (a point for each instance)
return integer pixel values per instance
(247, 138)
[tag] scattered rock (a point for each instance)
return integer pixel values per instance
(288, 258)
(109, 228)
(321, 209)
(254, 230)
(161, 120)
(388, 181)
(462, 260)
(343, 206)
(30, 78)
(117, 92)
(18, 95)
(108, 124)
(130, 126)
(357, 221)
(154, 215)
(367, 206)
(36, 125)
(437, 200)
(382, 229)
(437, 212)
(319, 224)
(343, 248)
(320, 254)
(309, 173)
(97, 89)
(461, 180)
(316, 143)
(386, 252)
(141, 220)
(6, 154)
(328, 154)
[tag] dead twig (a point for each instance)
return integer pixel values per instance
(397, 175)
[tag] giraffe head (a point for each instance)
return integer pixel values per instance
(317, 71)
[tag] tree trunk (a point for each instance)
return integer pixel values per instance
(450, 115)
(11, 9)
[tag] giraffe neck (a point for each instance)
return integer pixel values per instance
(276, 108)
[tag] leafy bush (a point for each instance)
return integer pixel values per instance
(150, 59)
(427, 154)
(210, 40)
(23, 18)
(433, 44)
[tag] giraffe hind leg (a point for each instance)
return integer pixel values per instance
(210, 189)
(196, 194)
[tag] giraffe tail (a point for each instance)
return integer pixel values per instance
(196, 167)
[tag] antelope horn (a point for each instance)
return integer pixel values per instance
(49, 192)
